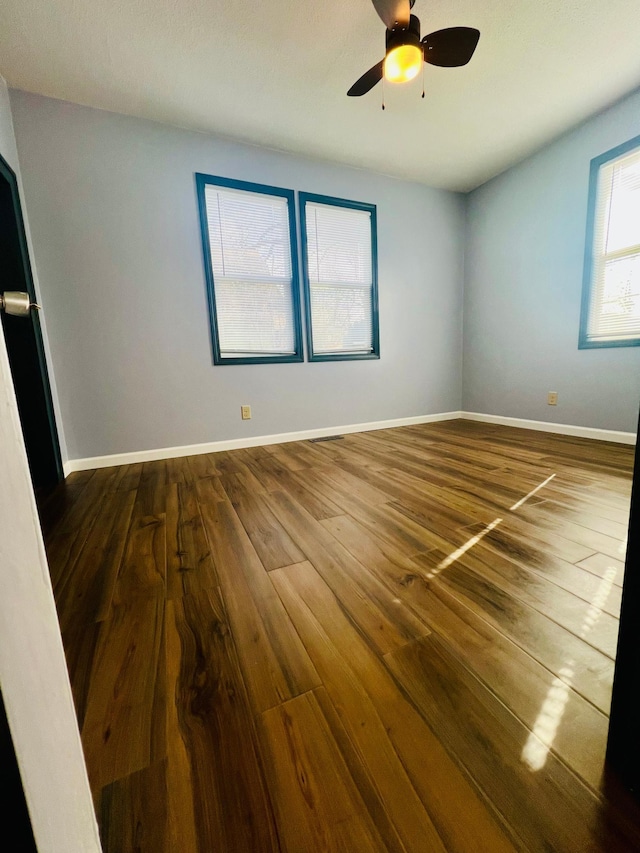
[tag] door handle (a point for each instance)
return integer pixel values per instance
(17, 303)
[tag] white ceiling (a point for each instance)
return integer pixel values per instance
(276, 72)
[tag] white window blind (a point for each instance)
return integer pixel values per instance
(340, 278)
(250, 252)
(614, 310)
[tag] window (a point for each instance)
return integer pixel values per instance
(249, 244)
(339, 262)
(611, 288)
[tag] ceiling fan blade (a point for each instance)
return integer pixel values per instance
(450, 48)
(393, 12)
(367, 81)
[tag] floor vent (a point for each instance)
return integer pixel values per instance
(327, 438)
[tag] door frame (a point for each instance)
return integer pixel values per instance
(52, 430)
(623, 745)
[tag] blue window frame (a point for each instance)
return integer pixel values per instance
(610, 314)
(339, 269)
(251, 267)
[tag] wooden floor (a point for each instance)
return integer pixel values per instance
(398, 641)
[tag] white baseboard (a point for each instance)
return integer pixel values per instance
(560, 429)
(280, 438)
(238, 443)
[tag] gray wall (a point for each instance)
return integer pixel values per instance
(523, 283)
(113, 213)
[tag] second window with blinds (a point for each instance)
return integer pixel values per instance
(339, 264)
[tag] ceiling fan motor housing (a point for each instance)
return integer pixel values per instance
(405, 35)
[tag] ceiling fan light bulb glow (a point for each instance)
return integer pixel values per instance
(403, 63)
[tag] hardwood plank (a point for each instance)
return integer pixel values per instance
(615, 527)
(67, 537)
(144, 562)
(345, 483)
(545, 640)
(587, 620)
(273, 544)
(536, 793)
(128, 477)
(329, 451)
(593, 539)
(262, 469)
(249, 479)
(452, 487)
(514, 527)
(132, 813)
(181, 828)
(85, 594)
(570, 577)
(202, 465)
(189, 563)
(230, 803)
(589, 501)
(302, 489)
(603, 566)
(368, 601)
(349, 450)
(288, 456)
(78, 477)
(416, 492)
(271, 469)
(391, 799)
(387, 562)
(56, 504)
(80, 640)
(449, 463)
(275, 664)
(365, 783)
(325, 450)
(227, 462)
(386, 523)
(151, 491)
(434, 775)
(247, 454)
(178, 471)
(516, 678)
(522, 545)
(324, 810)
(102, 480)
(124, 723)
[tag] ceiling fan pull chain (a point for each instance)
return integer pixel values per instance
(383, 106)
(423, 79)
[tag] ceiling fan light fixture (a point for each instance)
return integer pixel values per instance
(406, 52)
(403, 63)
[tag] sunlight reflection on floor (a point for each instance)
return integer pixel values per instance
(443, 564)
(546, 725)
(523, 500)
(545, 728)
(548, 721)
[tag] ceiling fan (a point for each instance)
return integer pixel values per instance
(405, 51)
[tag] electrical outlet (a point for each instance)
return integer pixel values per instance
(552, 398)
(246, 413)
